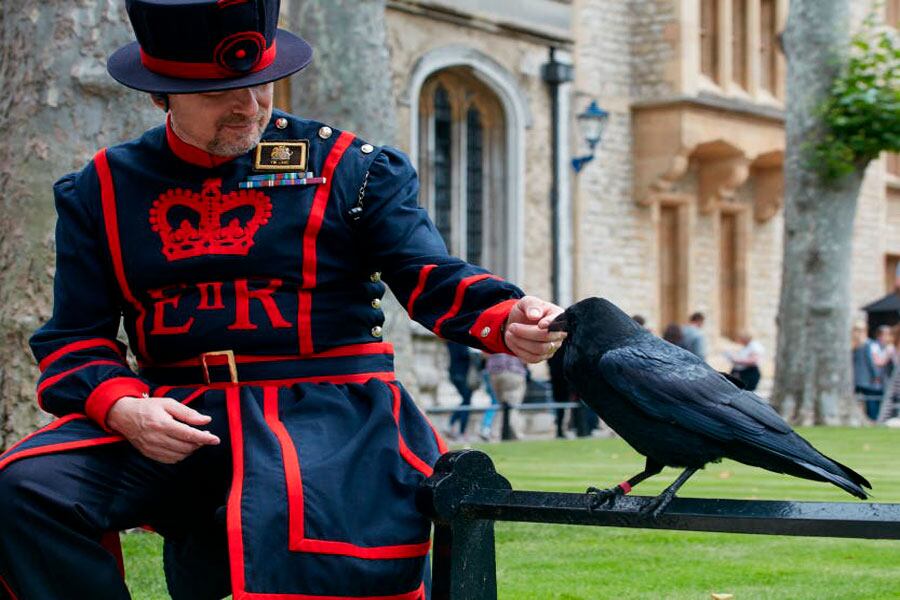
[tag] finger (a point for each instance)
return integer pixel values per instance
(528, 346)
(186, 433)
(185, 414)
(550, 316)
(535, 333)
(531, 358)
(532, 307)
(176, 446)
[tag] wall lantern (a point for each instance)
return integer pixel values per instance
(591, 123)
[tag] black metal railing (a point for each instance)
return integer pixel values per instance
(465, 495)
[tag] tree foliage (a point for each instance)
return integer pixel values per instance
(862, 111)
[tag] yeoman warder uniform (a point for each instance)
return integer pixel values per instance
(250, 289)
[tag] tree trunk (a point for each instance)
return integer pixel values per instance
(58, 106)
(813, 382)
(349, 85)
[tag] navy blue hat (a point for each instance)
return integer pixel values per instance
(188, 46)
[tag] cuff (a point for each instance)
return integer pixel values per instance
(488, 328)
(108, 393)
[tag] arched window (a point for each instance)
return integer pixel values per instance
(461, 165)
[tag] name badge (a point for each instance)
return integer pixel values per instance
(286, 155)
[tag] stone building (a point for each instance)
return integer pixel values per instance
(681, 209)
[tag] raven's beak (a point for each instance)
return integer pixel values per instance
(559, 323)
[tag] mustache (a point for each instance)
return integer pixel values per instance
(241, 121)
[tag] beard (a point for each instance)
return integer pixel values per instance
(231, 142)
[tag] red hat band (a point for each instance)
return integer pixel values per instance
(236, 55)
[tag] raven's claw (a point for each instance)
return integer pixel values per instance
(600, 497)
(657, 506)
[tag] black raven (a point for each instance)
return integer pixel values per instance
(675, 409)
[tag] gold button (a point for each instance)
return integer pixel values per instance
(485, 332)
(376, 302)
(281, 123)
(375, 277)
(376, 331)
(325, 132)
(366, 148)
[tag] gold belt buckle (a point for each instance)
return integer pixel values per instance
(232, 365)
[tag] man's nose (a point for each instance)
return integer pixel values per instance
(244, 102)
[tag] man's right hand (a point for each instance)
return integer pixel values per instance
(160, 428)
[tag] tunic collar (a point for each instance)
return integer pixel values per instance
(192, 154)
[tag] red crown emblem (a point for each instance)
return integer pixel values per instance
(210, 223)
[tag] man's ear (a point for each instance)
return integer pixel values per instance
(161, 101)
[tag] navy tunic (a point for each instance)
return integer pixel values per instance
(263, 305)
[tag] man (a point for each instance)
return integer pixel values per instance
(265, 435)
(693, 338)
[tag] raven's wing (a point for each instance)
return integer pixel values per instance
(670, 384)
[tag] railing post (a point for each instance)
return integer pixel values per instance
(464, 563)
(506, 431)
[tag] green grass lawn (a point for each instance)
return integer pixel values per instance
(553, 562)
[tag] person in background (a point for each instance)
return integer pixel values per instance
(508, 377)
(745, 362)
(640, 320)
(673, 334)
(883, 354)
(460, 360)
(694, 339)
(891, 395)
(867, 381)
(561, 391)
(487, 421)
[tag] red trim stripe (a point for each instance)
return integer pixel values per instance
(110, 220)
(61, 448)
(356, 350)
(291, 468)
(335, 379)
(47, 449)
(234, 517)
(313, 225)
(161, 392)
(8, 589)
(52, 380)
(458, 298)
(365, 553)
(441, 444)
(297, 540)
(198, 70)
(349, 350)
(423, 277)
(233, 512)
(417, 594)
(408, 455)
(112, 544)
(101, 400)
(76, 347)
(53, 425)
(491, 321)
(304, 321)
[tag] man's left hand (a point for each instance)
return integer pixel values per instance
(527, 334)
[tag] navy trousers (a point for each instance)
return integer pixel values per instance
(358, 447)
(55, 508)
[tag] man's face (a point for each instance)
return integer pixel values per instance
(225, 123)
